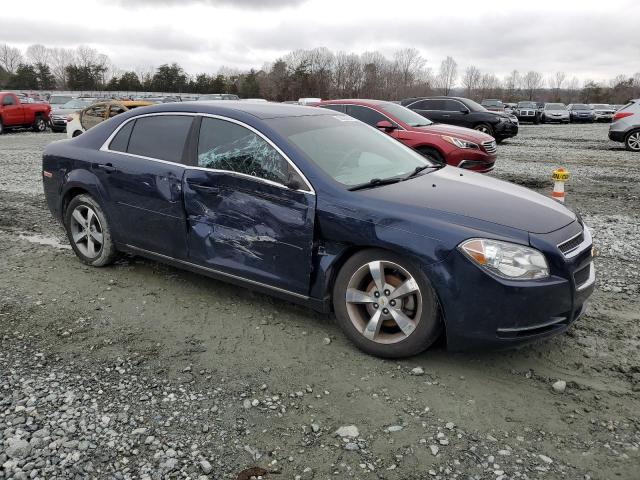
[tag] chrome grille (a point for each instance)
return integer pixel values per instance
(571, 244)
(490, 147)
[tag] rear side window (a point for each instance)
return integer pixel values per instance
(366, 115)
(162, 137)
(428, 105)
(121, 141)
(228, 146)
(333, 106)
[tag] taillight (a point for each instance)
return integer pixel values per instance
(69, 118)
(620, 115)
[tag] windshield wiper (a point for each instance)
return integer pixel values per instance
(375, 182)
(419, 169)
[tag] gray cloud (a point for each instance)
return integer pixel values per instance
(241, 4)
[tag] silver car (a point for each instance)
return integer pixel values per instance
(555, 112)
(603, 112)
(625, 126)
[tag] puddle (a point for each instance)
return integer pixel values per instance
(44, 240)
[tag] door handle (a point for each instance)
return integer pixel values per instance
(107, 167)
(204, 188)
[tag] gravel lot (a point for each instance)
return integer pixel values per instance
(143, 371)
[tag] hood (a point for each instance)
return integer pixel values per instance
(64, 111)
(474, 196)
(461, 132)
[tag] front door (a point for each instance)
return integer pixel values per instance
(12, 112)
(242, 219)
(142, 171)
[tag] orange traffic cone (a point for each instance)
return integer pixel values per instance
(560, 176)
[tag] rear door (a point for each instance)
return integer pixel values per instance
(430, 108)
(242, 219)
(142, 172)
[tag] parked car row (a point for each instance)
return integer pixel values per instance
(15, 114)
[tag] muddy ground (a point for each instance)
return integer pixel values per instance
(144, 371)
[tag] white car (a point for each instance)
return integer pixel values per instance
(83, 120)
(603, 112)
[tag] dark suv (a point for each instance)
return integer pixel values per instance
(465, 113)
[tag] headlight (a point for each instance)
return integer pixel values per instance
(460, 143)
(507, 260)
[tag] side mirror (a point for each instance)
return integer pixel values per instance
(386, 125)
(464, 110)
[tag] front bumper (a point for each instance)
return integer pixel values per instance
(484, 311)
(505, 130)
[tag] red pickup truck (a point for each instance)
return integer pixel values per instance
(14, 114)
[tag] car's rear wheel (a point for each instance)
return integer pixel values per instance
(386, 305)
(39, 124)
(632, 141)
(1, 127)
(484, 128)
(432, 154)
(89, 232)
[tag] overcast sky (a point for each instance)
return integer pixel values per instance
(585, 38)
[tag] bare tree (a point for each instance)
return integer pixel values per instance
(60, 59)
(573, 88)
(489, 86)
(408, 63)
(556, 82)
(10, 58)
(447, 75)
(38, 53)
(512, 85)
(532, 82)
(471, 80)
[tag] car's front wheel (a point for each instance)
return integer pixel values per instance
(632, 141)
(39, 124)
(386, 305)
(484, 128)
(89, 232)
(432, 155)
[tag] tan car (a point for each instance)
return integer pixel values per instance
(83, 120)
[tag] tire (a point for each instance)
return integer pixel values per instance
(632, 141)
(484, 128)
(1, 127)
(39, 124)
(536, 121)
(432, 154)
(543, 119)
(76, 133)
(374, 328)
(80, 209)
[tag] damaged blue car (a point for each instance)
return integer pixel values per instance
(315, 207)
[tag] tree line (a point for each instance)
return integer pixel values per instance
(317, 72)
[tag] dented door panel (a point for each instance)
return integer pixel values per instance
(247, 227)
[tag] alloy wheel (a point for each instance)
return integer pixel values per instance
(483, 129)
(633, 141)
(41, 126)
(384, 302)
(86, 231)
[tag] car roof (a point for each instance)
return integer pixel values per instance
(356, 101)
(261, 110)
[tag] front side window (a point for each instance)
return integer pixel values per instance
(224, 145)
(116, 110)
(348, 151)
(365, 114)
(160, 136)
(8, 100)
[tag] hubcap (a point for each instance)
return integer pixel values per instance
(383, 302)
(86, 231)
(634, 141)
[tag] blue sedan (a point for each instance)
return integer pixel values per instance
(318, 208)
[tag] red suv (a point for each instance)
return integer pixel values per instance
(456, 146)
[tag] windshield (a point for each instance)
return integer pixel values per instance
(474, 106)
(602, 106)
(59, 99)
(527, 105)
(210, 97)
(580, 106)
(405, 115)
(555, 106)
(348, 150)
(77, 103)
(492, 103)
